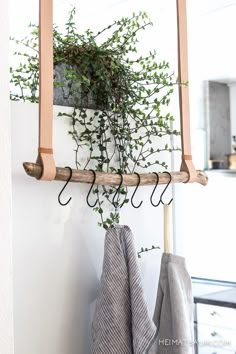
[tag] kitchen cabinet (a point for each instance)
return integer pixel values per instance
(214, 317)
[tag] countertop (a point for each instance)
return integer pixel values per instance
(214, 292)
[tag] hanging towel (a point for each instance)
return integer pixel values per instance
(173, 315)
(121, 324)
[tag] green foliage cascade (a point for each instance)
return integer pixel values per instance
(130, 94)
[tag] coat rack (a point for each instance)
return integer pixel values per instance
(45, 168)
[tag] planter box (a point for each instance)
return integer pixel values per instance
(70, 94)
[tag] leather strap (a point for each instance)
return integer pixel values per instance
(45, 156)
(45, 151)
(187, 157)
(187, 164)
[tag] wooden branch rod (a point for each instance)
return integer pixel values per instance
(113, 179)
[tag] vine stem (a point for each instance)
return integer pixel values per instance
(114, 137)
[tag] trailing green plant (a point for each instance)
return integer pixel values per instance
(129, 126)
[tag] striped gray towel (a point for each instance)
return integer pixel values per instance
(121, 324)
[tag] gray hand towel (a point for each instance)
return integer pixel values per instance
(173, 314)
(121, 324)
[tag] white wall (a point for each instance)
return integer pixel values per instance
(50, 241)
(6, 293)
(54, 246)
(205, 227)
(50, 244)
(232, 88)
(204, 216)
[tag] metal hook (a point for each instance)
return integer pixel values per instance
(90, 190)
(59, 201)
(155, 205)
(117, 191)
(161, 201)
(136, 206)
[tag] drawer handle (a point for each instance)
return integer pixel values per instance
(213, 334)
(213, 313)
